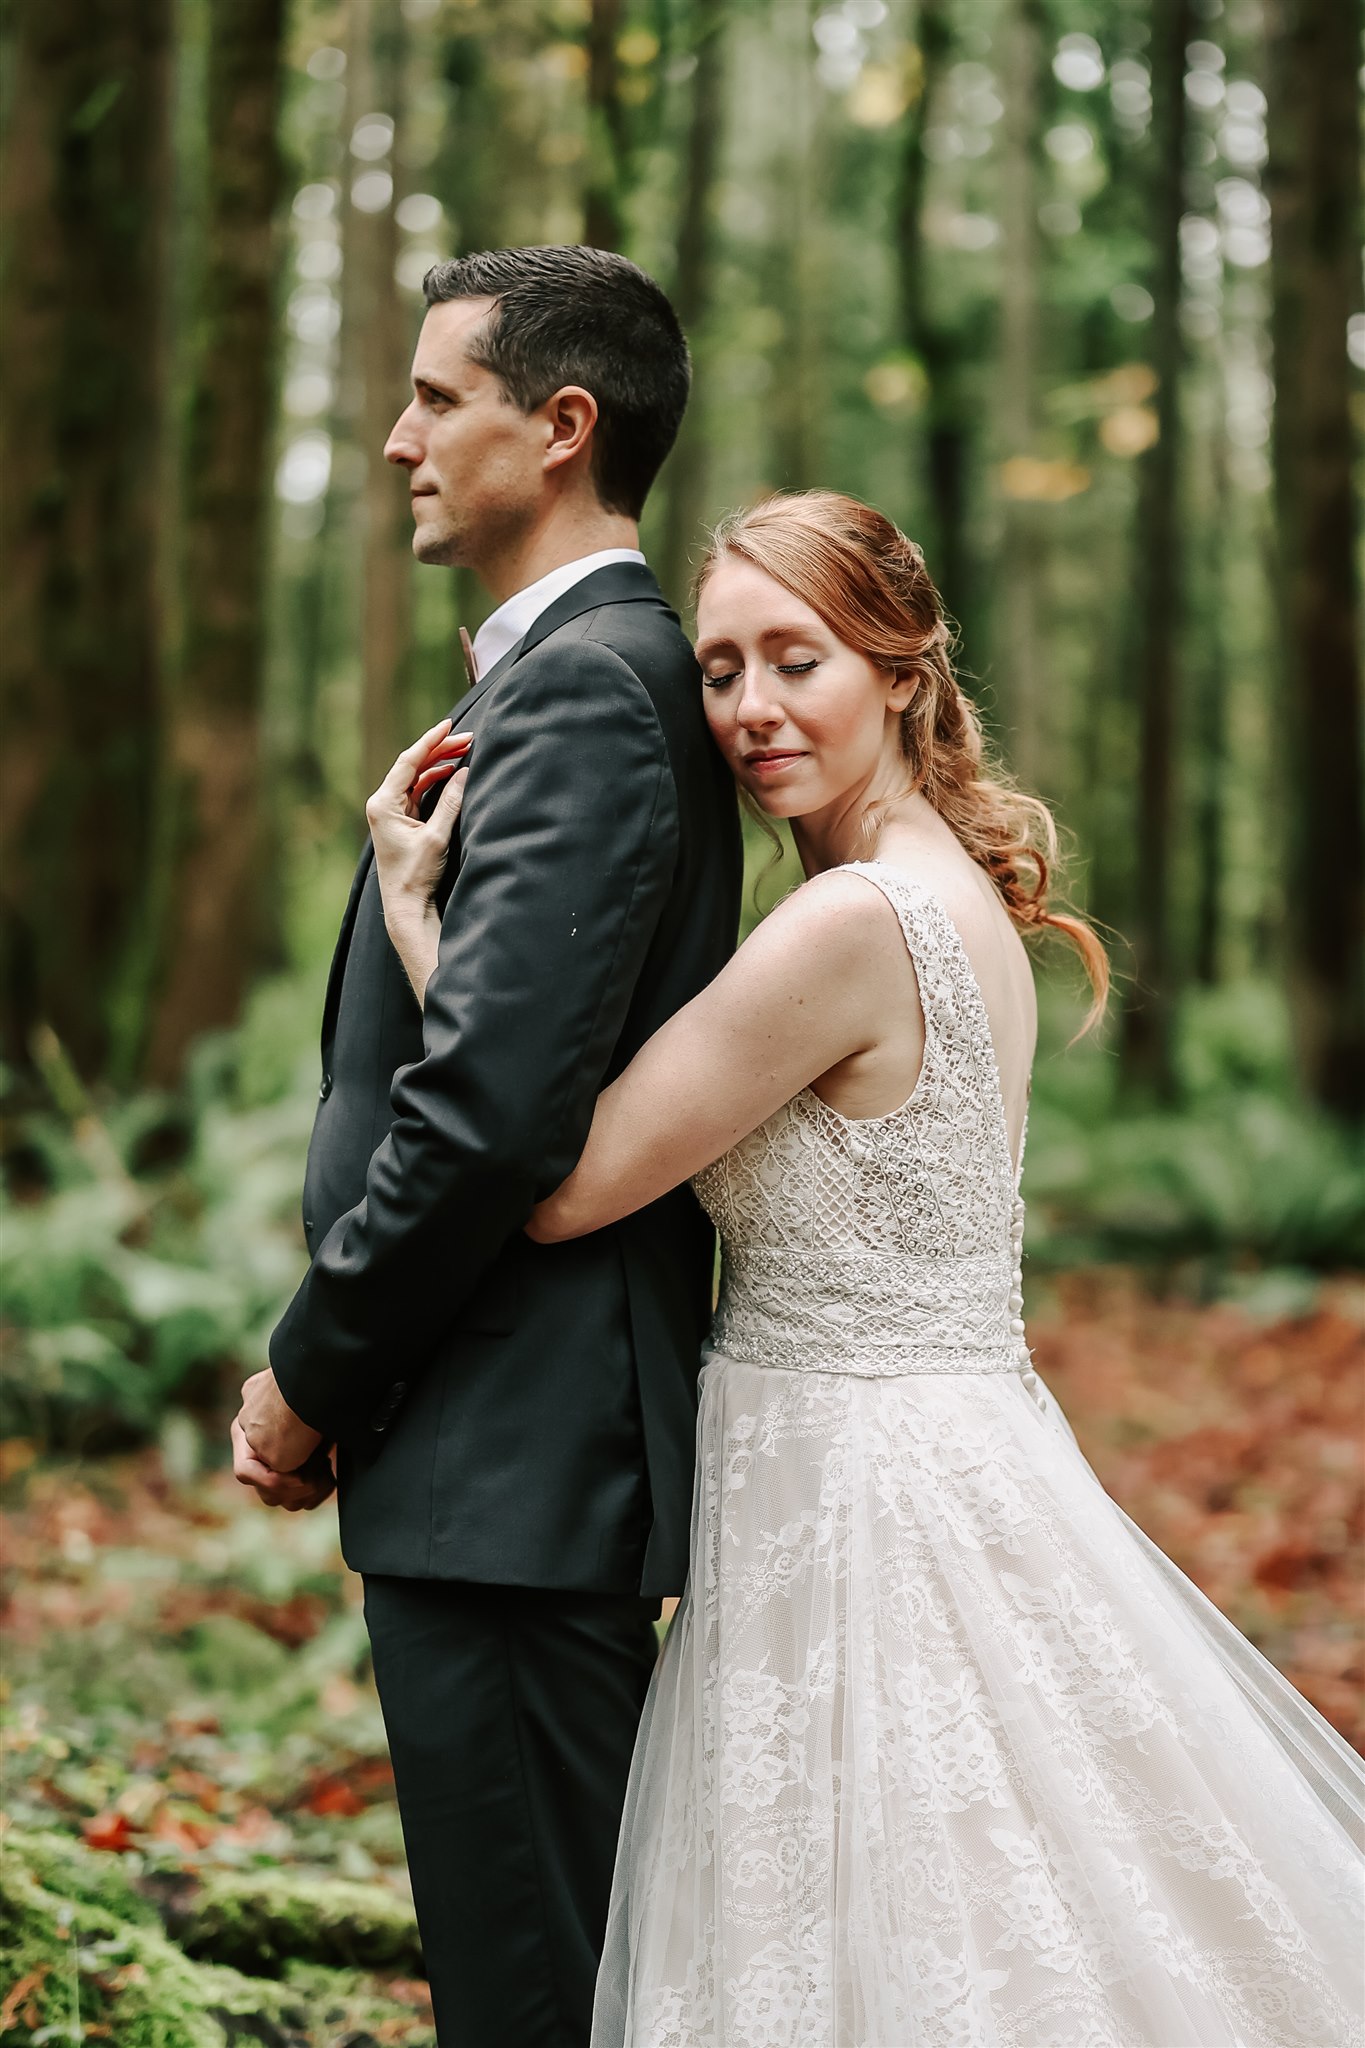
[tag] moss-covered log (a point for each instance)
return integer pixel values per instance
(260, 1920)
(75, 1966)
(85, 1950)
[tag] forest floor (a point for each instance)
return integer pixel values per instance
(201, 1844)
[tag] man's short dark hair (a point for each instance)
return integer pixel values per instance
(576, 315)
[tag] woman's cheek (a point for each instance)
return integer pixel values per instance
(722, 724)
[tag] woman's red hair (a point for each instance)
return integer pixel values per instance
(869, 584)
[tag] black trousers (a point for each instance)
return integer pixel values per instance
(511, 1716)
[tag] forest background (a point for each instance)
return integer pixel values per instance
(1072, 289)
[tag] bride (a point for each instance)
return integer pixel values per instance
(942, 1751)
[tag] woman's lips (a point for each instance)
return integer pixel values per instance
(772, 764)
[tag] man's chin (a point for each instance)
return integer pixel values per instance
(435, 547)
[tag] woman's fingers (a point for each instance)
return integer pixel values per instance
(447, 809)
(399, 778)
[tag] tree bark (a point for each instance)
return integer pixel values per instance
(1211, 704)
(1148, 1020)
(686, 477)
(932, 340)
(82, 389)
(1315, 195)
(603, 225)
(377, 355)
(794, 260)
(213, 932)
(1022, 546)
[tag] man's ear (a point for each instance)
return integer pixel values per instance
(571, 415)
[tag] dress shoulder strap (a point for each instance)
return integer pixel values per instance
(956, 1025)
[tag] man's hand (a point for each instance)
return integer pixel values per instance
(309, 1487)
(273, 1449)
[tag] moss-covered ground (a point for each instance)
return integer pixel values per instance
(200, 1841)
(200, 1844)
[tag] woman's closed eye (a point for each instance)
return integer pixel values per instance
(789, 668)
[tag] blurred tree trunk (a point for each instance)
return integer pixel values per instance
(1314, 188)
(603, 225)
(1211, 700)
(686, 477)
(379, 337)
(83, 182)
(1018, 610)
(210, 941)
(793, 257)
(931, 339)
(1148, 1020)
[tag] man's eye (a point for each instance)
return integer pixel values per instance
(719, 682)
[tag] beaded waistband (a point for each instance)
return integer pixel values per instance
(871, 1314)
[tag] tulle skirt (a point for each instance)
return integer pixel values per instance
(943, 1752)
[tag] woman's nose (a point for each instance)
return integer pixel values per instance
(756, 707)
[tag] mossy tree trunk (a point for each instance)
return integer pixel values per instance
(83, 182)
(930, 337)
(382, 339)
(1021, 563)
(1315, 195)
(686, 478)
(608, 143)
(1157, 583)
(211, 937)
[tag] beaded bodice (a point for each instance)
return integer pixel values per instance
(882, 1245)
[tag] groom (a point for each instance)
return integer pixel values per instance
(514, 1422)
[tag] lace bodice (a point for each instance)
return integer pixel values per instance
(890, 1244)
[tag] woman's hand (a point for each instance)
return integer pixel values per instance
(410, 851)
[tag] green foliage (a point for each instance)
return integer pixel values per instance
(1239, 1171)
(94, 1966)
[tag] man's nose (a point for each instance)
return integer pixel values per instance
(402, 446)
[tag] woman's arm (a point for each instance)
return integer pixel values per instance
(805, 991)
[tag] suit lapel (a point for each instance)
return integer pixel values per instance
(617, 583)
(332, 1000)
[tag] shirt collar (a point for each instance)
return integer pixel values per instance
(512, 621)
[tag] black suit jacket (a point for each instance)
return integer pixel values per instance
(507, 1412)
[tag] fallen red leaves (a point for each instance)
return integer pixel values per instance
(113, 1831)
(20, 2001)
(1239, 1446)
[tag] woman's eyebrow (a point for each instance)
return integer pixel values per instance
(709, 647)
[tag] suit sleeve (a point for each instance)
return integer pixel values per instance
(569, 838)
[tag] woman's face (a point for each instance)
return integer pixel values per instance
(806, 723)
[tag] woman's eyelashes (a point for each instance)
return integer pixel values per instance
(784, 668)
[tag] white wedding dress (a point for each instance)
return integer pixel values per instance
(942, 1751)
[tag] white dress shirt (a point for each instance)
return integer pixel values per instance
(513, 620)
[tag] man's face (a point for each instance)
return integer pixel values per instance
(475, 461)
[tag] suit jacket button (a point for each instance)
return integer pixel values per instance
(325, 1090)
